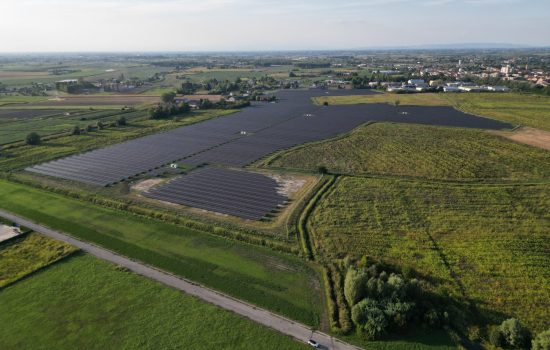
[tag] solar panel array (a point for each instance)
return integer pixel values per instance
(267, 127)
(238, 193)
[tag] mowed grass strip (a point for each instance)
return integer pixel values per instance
(85, 303)
(282, 283)
(519, 109)
(20, 157)
(495, 238)
(28, 253)
(420, 151)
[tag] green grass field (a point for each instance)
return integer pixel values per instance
(23, 255)
(84, 303)
(491, 240)
(17, 130)
(281, 283)
(519, 109)
(20, 157)
(420, 151)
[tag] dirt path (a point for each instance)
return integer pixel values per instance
(294, 329)
(529, 136)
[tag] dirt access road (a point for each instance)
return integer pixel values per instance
(261, 316)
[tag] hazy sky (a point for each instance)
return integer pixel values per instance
(182, 25)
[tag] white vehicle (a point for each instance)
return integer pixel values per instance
(314, 344)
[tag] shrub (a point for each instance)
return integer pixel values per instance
(513, 332)
(542, 341)
(32, 139)
(76, 130)
(354, 286)
(100, 125)
(90, 128)
(322, 169)
(369, 318)
(496, 337)
(121, 121)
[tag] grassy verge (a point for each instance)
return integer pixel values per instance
(520, 109)
(485, 243)
(28, 253)
(420, 151)
(84, 303)
(281, 283)
(20, 157)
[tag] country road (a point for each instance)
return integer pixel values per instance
(294, 329)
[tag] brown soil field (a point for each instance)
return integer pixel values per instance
(213, 98)
(529, 136)
(21, 74)
(94, 100)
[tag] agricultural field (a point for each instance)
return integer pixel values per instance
(14, 130)
(419, 151)
(96, 101)
(282, 283)
(520, 109)
(84, 303)
(24, 155)
(202, 73)
(30, 252)
(485, 243)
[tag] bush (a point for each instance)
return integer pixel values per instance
(542, 341)
(369, 318)
(354, 286)
(121, 121)
(322, 169)
(496, 337)
(76, 130)
(513, 332)
(33, 139)
(100, 125)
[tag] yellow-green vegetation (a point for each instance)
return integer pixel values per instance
(520, 109)
(282, 283)
(24, 255)
(420, 151)
(485, 243)
(22, 156)
(84, 303)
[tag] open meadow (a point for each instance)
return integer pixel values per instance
(419, 151)
(279, 282)
(84, 303)
(487, 244)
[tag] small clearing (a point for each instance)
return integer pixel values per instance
(288, 184)
(7, 232)
(146, 185)
(529, 136)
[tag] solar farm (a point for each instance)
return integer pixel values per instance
(218, 190)
(237, 140)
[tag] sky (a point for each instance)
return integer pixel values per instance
(247, 25)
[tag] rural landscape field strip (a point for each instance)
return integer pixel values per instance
(244, 137)
(27, 253)
(81, 302)
(278, 282)
(494, 238)
(420, 151)
(239, 193)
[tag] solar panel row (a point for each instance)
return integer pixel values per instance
(238, 193)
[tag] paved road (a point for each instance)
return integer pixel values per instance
(264, 317)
